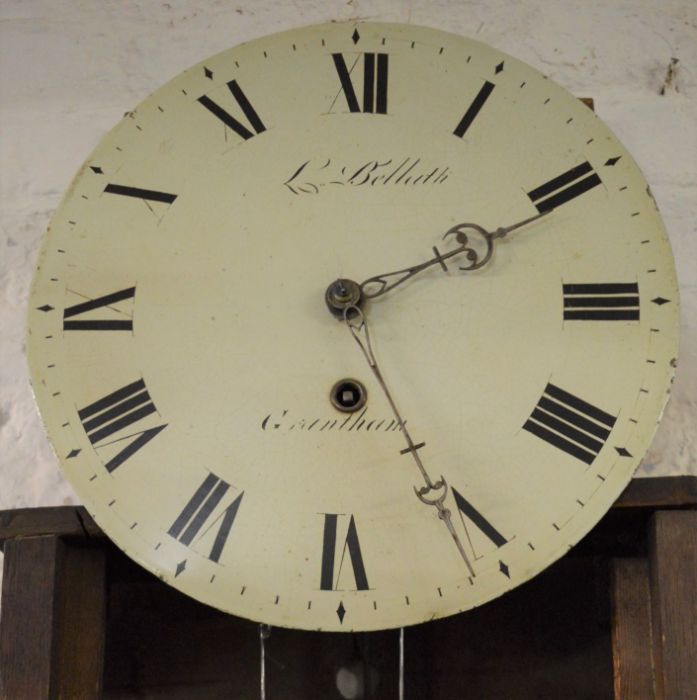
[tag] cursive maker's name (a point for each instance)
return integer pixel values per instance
(313, 175)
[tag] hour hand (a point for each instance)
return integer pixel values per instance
(346, 295)
(475, 245)
(378, 285)
(505, 230)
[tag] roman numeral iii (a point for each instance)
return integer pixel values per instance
(570, 424)
(330, 575)
(93, 324)
(375, 68)
(124, 408)
(199, 510)
(253, 119)
(565, 187)
(601, 302)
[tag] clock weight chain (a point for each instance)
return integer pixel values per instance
(264, 634)
(401, 663)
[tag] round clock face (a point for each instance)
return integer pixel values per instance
(183, 355)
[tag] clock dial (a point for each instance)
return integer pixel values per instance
(184, 360)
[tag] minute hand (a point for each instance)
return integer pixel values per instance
(433, 493)
(378, 285)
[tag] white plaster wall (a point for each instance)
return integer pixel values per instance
(69, 69)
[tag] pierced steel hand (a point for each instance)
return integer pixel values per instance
(378, 285)
(357, 325)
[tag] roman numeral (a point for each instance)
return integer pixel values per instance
(257, 126)
(467, 510)
(330, 575)
(564, 187)
(375, 67)
(199, 510)
(601, 302)
(473, 109)
(569, 423)
(115, 412)
(98, 324)
(139, 193)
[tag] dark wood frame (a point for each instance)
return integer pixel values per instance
(59, 582)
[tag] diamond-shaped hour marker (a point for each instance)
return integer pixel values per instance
(180, 567)
(504, 569)
(73, 453)
(44, 308)
(612, 161)
(96, 169)
(499, 68)
(355, 36)
(208, 73)
(341, 611)
(660, 301)
(623, 452)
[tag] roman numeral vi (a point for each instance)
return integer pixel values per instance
(331, 574)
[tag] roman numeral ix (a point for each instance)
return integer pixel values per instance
(115, 412)
(331, 574)
(565, 187)
(92, 324)
(570, 424)
(198, 511)
(375, 68)
(257, 126)
(612, 301)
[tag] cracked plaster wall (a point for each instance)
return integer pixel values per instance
(69, 70)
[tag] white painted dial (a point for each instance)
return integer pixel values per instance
(182, 354)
